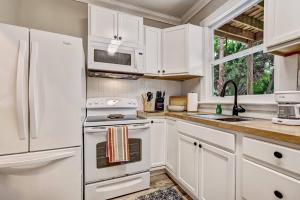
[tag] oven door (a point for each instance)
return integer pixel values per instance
(114, 58)
(96, 163)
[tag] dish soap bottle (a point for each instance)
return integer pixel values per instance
(219, 109)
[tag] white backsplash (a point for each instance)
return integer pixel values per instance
(102, 87)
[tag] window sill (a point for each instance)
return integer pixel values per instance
(239, 102)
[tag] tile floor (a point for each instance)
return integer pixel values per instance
(157, 182)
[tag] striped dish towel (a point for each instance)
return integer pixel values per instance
(117, 144)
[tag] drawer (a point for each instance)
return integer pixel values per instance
(219, 138)
(117, 187)
(260, 183)
(282, 157)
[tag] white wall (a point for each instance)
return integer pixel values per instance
(101, 87)
(8, 12)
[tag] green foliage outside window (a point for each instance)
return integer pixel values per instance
(262, 80)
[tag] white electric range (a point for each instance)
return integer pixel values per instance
(104, 180)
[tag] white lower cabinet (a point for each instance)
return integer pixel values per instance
(261, 183)
(208, 165)
(188, 154)
(171, 146)
(217, 174)
(207, 172)
(158, 140)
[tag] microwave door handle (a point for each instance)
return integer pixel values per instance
(297, 111)
(33, 100)
(21, 95)
(136, 55)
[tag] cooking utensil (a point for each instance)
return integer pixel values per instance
(149, 96)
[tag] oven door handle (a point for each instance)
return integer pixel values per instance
(105, 128)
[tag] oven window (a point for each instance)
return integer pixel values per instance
(117, 58)
(135, 152)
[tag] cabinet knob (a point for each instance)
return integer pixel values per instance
(115, 37)
(278, 194)
(163, 71)
(158, 71)
(152, 122)
(195, 143)
(120, 38)
(200, 146)
(278, 155)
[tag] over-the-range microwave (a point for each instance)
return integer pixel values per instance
(115, 58)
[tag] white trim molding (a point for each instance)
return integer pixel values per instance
(150, 14)
(197, 7)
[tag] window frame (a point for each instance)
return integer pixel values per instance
(223, 15)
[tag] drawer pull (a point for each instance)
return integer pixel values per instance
(278, 154)
(278, 194)
(195, 143)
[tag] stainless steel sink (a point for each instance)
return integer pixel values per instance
(226, 118)
(236, 119)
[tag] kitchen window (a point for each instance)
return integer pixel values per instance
(238, 55)
(235, 34)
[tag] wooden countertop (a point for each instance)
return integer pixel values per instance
(257, 127)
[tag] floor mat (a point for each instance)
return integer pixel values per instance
(162, 194)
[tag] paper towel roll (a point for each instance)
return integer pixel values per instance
(192, 104)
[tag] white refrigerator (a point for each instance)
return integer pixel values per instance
(42, 99)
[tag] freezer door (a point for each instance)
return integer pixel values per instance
(13, 89)
(49, 175)
(55, 91)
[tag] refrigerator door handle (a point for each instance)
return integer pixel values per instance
(21, 95)
(35, 162)
(33, 84)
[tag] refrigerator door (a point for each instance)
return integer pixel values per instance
(55, 91)
(13, 89)
(44, 175)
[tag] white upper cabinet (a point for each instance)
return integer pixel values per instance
(282, 26)
(130, 28)
(183, 50)
(103, 23)
(106, 24)
(152, 50)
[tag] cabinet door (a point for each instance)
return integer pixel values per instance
(174, 50)
(130, 28)
(172, 146)
(216, 174)
(282, 21)
(153, 50)
(158, 138)
(103, 22)
(188, 163)
(265, 184)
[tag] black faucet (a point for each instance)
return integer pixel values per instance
(236, 109)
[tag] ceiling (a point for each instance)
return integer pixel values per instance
(248, 27)
(169, 11)
(176, 8)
